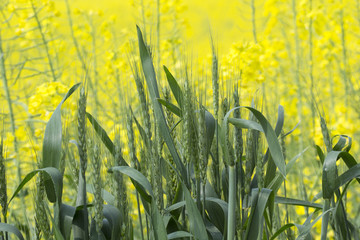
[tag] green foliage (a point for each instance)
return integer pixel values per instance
(236, 204)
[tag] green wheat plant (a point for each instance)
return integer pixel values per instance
(198, 172)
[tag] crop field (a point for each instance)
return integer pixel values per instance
(179, 119)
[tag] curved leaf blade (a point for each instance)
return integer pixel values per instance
(53, 135)
(4, 227)
(53, 183)
(150, 77)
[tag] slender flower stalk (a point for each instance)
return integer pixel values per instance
(9, 101)
(44, 41)
(3, 191)
(229, 161)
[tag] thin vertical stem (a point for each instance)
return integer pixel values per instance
(253, 20)
(139, 212)
(158, 51)
(93, 85)
(232, 200)
(345, 68)
(45, 42)
(299, 90)
(73, 36)
(325, 219)
(3, 75)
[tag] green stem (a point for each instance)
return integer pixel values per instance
(253, 14)
(325, 219)
(198, 197)
(45, 42)
(94, 85)
(139, 212)
(12, 119)
(204, 199)
(73, 36)
(158, 57)
(232, 201)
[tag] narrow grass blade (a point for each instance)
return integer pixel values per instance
(53, 183)
(56, 230)
(142, 132)
(350, 174)
(304, 230)
(4, 227)
(210, 123)
(330, 173)
(281, 230)
(216, 208)
(171, 107)
(280, 121)
(114, 217)
(175, 88)
(247, 124)
(272, 141)
(53, 135)
(276, 183)
(271, 166)
(341, 217)
(102, 133)
(67, 214)
(197, 227)
(320, 154)
(157, 222)
(179, 234)
(270, 136)
(296, 202)
(143, 187)
(150, 77)
(232, 203)
(257, 212)
(341, 143)
(108, 197)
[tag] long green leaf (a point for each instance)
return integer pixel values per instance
(157, 222)
(67, 214)
(329, 179)
(276, 183)
(53, 183)
(197, 227)
(257, 212)
(272, 141)
(281, 230)
(352, 173)
(144, 187)
(175, 88)
(179, 234)
(171, 107)
(291, 201)
(270, 136)
(280, 121)
(102, 133)
(113, 216)
(150, 77)
(4, 227)
(53, 135)
(247, 124)
(210, 124)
